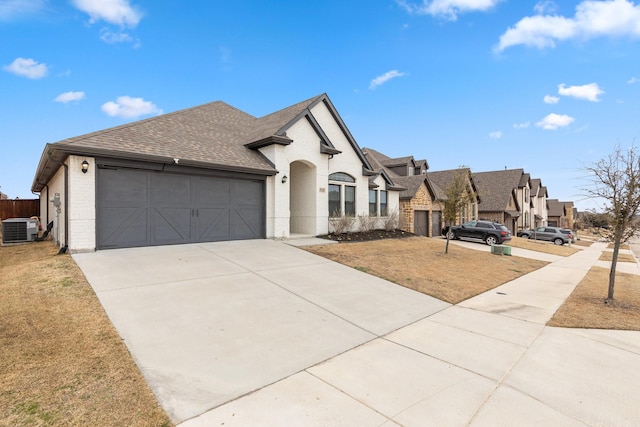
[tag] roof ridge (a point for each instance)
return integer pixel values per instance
(144, 121)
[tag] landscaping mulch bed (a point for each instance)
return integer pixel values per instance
(367, 236)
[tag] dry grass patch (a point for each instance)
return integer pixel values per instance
(585, 307)
(419, 263)
(622, 246)
(539, 246)
(608, 256)
(583, 242)
(61, 360)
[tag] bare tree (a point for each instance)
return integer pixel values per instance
(616, 180)
(457, 196)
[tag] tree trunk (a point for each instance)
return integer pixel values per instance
(614, 261)
(446, 248)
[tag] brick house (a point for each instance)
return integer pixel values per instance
(208, 173)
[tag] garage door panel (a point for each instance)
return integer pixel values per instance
(212, 192)
(140, 207)
(171, 225)
(122, 187)
(122, 227)
(170, 190)
(245, 224)
(213, 224)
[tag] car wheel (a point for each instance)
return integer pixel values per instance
(491, 240)
(558, 241)
(451, 235)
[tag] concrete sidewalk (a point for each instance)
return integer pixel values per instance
(485, 362)
(263, 333)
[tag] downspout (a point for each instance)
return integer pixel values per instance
(46, 204)
(66, 210)
(66, 203)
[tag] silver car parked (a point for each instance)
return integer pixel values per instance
(549, 234)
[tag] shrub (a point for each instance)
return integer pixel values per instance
(341, 223)
(366, 222)
(391, 220)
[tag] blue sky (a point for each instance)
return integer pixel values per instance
(545, 86)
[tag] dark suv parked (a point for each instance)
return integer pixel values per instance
(551, 234)
(492, 233)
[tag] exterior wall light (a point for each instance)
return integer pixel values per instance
(285, 179)
(85, 166)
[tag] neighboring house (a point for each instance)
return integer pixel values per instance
(419, 207)
(539, 197)
(3, 196)
(442, 180)
(499, 192)
(525, 201)
(208, 173)
(561, 214)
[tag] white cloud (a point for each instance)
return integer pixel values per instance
(118, 12)
(10, 9)
(495, 135)
(129, 108)
(380, 80)
(611, 18)
(448, 9)
(554, 121)
(545, 7)
(521, 125)
(27, 68)
(110, 37)
(589, 92)
(548, 99)
(69, 96)
(633, 80)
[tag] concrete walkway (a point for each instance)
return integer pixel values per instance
(334, 346)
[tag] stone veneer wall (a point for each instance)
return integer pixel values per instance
(421, 202)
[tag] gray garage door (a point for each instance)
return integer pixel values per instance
(147, 208)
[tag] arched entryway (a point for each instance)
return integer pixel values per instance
(302, 198)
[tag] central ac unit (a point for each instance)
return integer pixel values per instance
(15, 230)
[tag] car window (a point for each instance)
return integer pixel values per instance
(470, 224)
(484, 225)
(541, 229)
(502, 227)
(549, 230)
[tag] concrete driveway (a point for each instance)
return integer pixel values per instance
(262, 333)
(208, 323)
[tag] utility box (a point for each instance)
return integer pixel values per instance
(501, 250)
(16, 230)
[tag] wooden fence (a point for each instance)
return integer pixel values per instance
(19, 208)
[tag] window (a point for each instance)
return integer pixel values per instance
(342, 194)
(349, 200)
(334, 200)
(383, 203)
(373, 203)
(411, 171)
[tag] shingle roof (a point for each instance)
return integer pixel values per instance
(212, 135)
(440, 180)
(535, 185)
(411, 184)
(555, 207)
(276, 123)
(496, 187)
